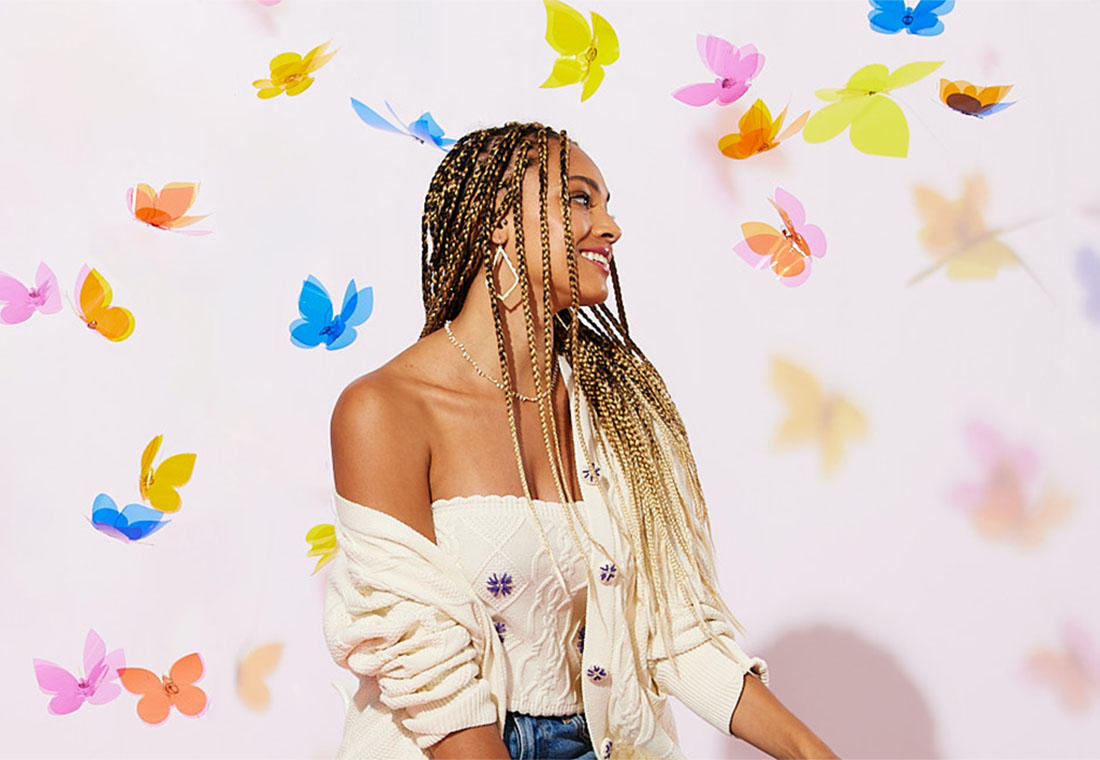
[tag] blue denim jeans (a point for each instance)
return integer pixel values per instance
(530, 737)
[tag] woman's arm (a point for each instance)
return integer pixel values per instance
(761, 720)
(380, 457)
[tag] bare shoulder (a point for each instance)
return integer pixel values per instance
(380, 443)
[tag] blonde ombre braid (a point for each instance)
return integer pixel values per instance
(476, 185)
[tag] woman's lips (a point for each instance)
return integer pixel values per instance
(596, 259)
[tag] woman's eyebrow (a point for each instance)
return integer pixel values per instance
(595, 186)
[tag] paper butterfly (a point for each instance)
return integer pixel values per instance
(828, 422)
(789, 252)
(97, 687)
(133, 523)
(733, 68)
(1005, 503)
(322, 543)
(165, 210)
(968, 99)
(955, 234)
(877, 124)
(20, 302)
(583, 50)
(891, 16)
(423, 130)
(758, 132)
(160, 693)
(252, 669)
(158, 487)
(318, 324)
(1088, 271)
(290, 72)
(93, 298)
(1073, 670)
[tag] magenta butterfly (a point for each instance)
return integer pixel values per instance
(20, 302)
(733, 68)
(98, 685)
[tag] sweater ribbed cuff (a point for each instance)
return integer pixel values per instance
(472, 706)
(709, 683)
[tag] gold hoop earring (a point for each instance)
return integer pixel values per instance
(515, 274)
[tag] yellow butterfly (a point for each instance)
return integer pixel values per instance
(322, 541)
(955, 234)
(877, 124)
(584, 50)
(828, 422)
(158, 487)
(252, 669)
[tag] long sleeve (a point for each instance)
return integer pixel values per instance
(424, 661)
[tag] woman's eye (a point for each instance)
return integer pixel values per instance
(585, 196)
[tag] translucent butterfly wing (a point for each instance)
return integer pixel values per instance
(172, 473)
(1088, 272)
(926, 17)
(315, 306)
(154, 705)
(252, 671)
(804, 399)
(61, 684)
(190, 700)
(567, 31)
(374, 119)
(18, 306)
(322, 542)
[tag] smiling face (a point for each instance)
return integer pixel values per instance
(594, 231)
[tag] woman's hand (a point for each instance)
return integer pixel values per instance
(761, 720)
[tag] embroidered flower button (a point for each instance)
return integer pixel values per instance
(605, 749)
(608, 573)
(591, 474)
(596, 674)
(578, 640)
(501, 630)
(499, 585)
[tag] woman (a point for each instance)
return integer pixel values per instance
(525, 565)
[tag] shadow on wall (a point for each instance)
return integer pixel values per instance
(852, 693)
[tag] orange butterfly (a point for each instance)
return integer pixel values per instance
(93, 293)
(969, 99)
(165, 210)
(159, 694)
(758, 132)
(1072, 670)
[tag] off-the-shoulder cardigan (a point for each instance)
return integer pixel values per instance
(401, 615)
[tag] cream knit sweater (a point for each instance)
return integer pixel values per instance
(401, 615)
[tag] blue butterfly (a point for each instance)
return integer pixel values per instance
(133, 523)
(1088, 271)
(423, 130)
(891, 16)
(318, 324)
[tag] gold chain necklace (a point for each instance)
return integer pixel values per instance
(520, 396)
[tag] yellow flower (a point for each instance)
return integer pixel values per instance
(290, 72)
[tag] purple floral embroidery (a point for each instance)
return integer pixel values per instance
(580, 640)
(501, 630)
(591, 475)
(596, 673)
(606, 748)
(499, 586)
(607, 572)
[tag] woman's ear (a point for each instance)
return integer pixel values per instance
(502, 233)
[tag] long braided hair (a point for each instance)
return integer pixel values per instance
(477, 184)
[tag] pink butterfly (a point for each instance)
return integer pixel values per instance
(733, 66)
(1072, 670)
(22, 302)
(97, 686)
(786, 252)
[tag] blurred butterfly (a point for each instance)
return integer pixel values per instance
(165, 210)
(20, 302)
(423, 130)
(955, 234)
(291, 73)
(160, 693)
(252, 669)
(828, 422)
(158, 487)
(318, 324)
(1073, 671)
(97, 687)
(758, 132)
(93, 296)
(891, 16)
(1088, 271)
(788, 252)
(133, 523)
(322, 543)
(877, 125)
(583, 50)
(733, 68)
(1002, 504)
(971, 100)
